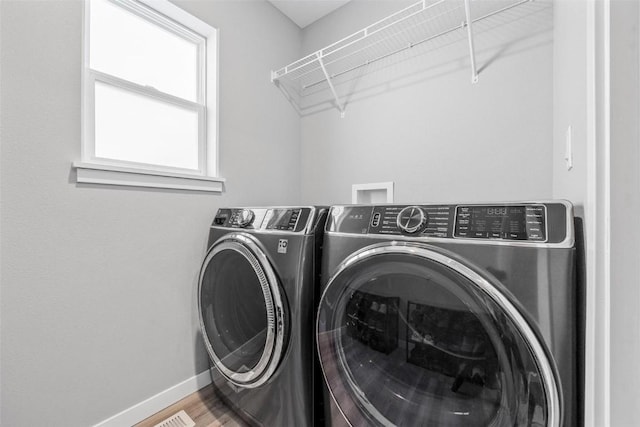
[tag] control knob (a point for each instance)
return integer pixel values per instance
(411, 219)
(245, 217)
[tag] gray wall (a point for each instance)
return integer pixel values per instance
(570, 99)
(419, 122)
(98, 283)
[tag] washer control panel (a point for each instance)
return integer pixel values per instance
(292, 219)
(545, 222)
(509, 222)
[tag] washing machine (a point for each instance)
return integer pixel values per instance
(257, 295)
(451, 315)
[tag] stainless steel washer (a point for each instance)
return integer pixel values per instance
(451, 315)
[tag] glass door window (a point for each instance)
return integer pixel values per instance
(241, 312)
(234, 312)
(406, 339)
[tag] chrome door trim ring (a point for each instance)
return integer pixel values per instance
(549, 378)
(273, 349)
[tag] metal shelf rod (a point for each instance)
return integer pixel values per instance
(504, 9)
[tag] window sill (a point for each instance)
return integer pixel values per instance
(91, 173)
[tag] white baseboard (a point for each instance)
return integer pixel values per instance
(156, 403)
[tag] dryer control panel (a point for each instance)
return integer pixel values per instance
(524, 222)
(290, 219)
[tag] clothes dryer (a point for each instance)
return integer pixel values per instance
(451, 315)
(257, 294)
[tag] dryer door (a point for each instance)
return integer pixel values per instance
(242, 311)
(409, 335)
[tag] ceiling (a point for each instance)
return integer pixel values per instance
(304, 12)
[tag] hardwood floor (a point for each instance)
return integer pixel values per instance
(204, 408)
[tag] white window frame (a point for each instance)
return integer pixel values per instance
(115, 172)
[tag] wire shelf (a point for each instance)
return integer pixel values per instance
(419, 23)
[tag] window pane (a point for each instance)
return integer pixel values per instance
(136, 128)
(127, 46)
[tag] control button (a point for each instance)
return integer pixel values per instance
(411, 219)
(245, 217)
(375, 221)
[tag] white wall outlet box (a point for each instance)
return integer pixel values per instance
(375, 193)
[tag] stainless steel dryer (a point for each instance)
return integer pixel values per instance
(451, 315)
(256, 298)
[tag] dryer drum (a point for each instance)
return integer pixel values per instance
(408, 334)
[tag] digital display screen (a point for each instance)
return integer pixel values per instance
(500, 211)
(516, 222)
(283, 219)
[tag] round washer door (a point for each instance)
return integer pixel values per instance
(409, 335)
(242, 311)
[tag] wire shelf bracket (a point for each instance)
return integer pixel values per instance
(344, 56)
(472, 52)
(333, 89)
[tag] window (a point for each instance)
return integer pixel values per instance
(149, 96)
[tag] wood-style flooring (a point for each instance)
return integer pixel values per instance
(204, 408)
